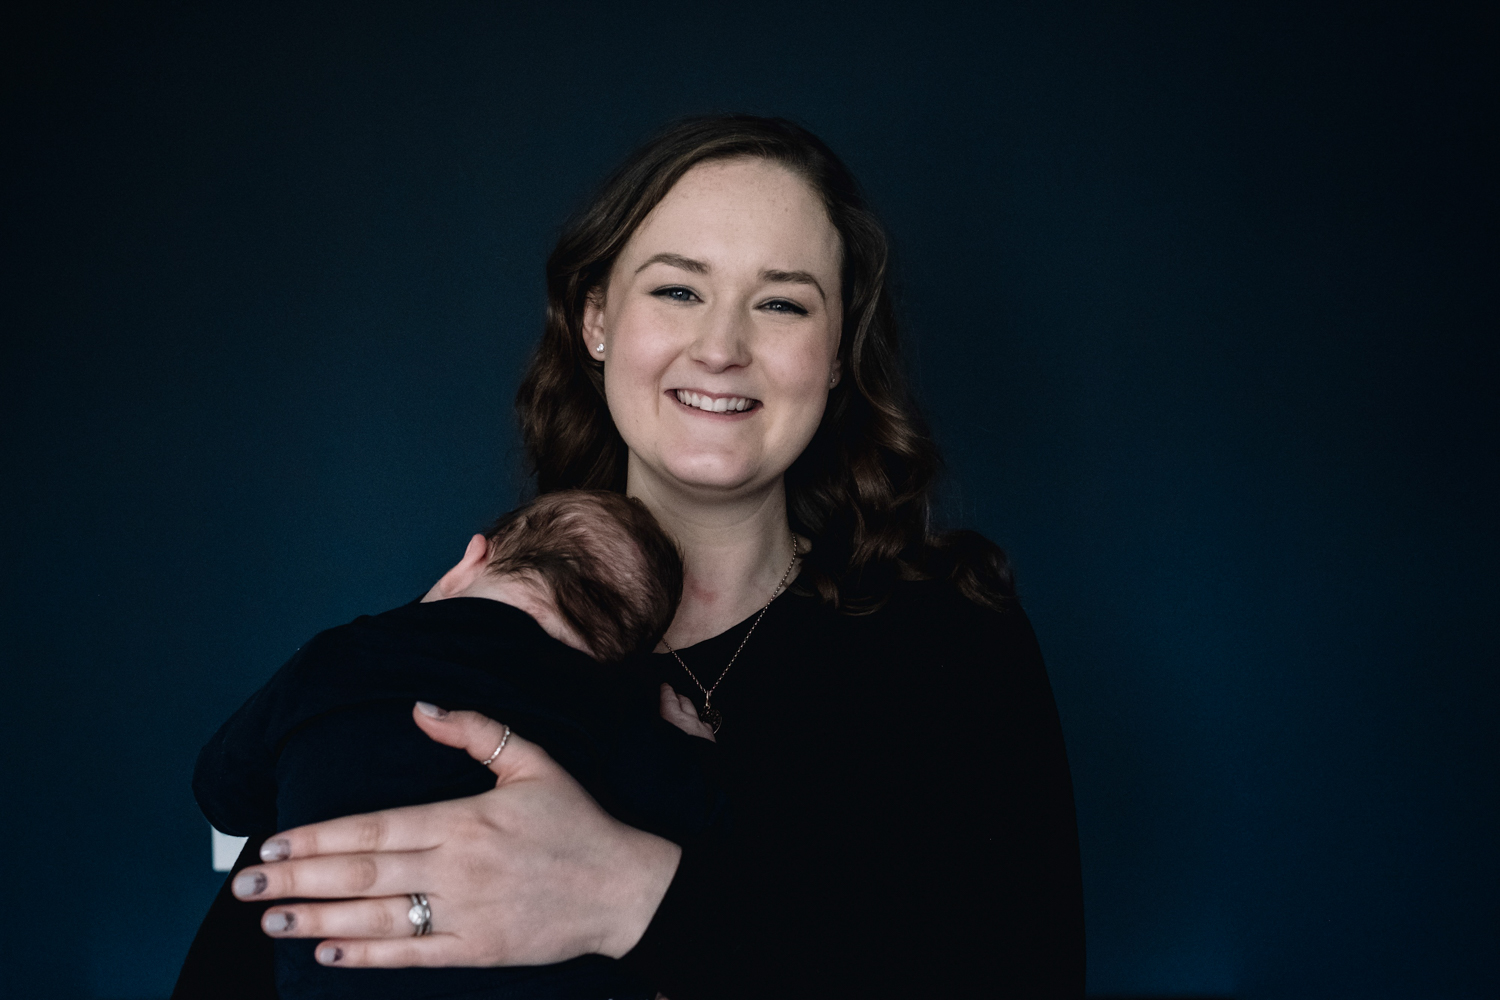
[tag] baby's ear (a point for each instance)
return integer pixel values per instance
(462, 576)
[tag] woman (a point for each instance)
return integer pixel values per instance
(720, 343)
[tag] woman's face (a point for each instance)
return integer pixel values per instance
(720, 325)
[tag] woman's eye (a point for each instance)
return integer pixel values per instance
(676, 293)
(782, 305)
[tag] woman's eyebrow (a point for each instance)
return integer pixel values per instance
(699, 267)
(675, 260)
(793, 278)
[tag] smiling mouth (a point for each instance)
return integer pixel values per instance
(715, 404)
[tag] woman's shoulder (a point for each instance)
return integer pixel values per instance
(940, 604)
(927, 652)
(926, 620)
(976, 656)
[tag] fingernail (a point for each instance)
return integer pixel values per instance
(249, 884)
(277, 922)
(430, 710)
(275, 850)
(330, 955)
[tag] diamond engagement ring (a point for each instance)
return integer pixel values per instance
(420, 915)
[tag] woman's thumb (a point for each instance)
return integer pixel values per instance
(487, 741)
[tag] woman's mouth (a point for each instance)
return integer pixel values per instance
(710, 403)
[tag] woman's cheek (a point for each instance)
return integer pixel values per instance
(637, 358)
(810, 398)
(629, 403)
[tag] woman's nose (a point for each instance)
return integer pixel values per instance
(723, 340)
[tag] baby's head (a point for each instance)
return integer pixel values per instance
(592, 567)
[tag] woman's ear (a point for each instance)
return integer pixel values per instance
(593, 325)
(462, 576)
(836, 373)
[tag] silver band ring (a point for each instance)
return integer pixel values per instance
(503, 740)
(420, 915)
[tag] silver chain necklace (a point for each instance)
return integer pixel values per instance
(711, 716)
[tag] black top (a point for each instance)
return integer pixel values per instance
(332, 735)
(901, 815)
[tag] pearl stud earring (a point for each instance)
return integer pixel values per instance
(600, 348)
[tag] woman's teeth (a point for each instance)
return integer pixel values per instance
(724, 404)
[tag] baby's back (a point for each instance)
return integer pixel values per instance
(332, 735)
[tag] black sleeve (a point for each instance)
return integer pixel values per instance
(916, 838)
(234, 781)
(234, 784)
(230, 959)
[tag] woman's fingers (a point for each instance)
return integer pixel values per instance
(480, 737)
(339, 876)
(529, 873)
(412, 828)
(357, 918)
(433, 950)
(369, 855)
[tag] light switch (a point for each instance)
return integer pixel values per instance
(226, 849)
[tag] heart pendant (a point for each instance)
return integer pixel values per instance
(711, 718)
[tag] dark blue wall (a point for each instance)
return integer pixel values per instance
(1202, 300)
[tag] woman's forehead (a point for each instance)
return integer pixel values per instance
(744, 211)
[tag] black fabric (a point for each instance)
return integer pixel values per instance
(903, 819)
(901, 815)
(230, 959)
(332, 735)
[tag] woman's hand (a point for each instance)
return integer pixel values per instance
(530, 873)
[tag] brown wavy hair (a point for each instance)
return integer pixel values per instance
(863, 488)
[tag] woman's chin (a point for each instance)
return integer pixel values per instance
(716, 477)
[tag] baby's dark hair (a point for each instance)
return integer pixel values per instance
(614, 575)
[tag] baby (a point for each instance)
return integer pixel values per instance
(332, 734)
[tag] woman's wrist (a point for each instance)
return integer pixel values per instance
(642, 873)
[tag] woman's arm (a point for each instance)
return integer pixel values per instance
(530, 873)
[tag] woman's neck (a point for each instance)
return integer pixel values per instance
(734, 553)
